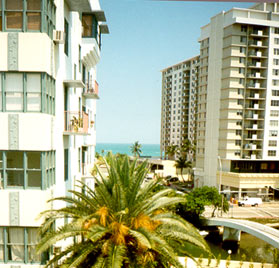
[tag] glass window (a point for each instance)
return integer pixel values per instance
(1, 244)
(33, 5)
(31, 246)
(33, 21)
(15, 244)
(34, 179)
(87, 24)
(15, 178)
(34, 160)
(34, 92)
(66, 31)
(14, 159)
(14, 20)
(14, 92)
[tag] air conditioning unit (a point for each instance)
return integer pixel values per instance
(58, 37)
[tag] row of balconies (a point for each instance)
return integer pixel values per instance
(259, 33)
(257, 54)
(257, 43)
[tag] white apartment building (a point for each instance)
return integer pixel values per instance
(238, 101)
(178, 108)
(48, 91)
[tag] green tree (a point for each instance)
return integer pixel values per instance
(182, 163)
(136, 149)
(123, 223)
(196, 201)
(187, 149)
(171, 151)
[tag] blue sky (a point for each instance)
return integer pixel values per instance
(145, 37)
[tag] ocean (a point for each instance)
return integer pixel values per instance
(148, 150)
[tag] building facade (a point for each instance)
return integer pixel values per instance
(179, 103)
(238, 101)
(48, 91)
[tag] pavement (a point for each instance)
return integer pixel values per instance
(266, 210)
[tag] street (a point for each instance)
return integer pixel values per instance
(266, 210)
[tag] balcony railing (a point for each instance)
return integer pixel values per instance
(91, 90)
(76, 123)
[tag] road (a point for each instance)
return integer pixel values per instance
(266, 210)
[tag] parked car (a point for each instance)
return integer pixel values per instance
(250, 201)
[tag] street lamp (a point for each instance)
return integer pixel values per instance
(220, 173)
(220, 182)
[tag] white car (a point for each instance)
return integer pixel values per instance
(250, 201)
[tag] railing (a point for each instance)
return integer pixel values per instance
(92, 87)
(76, 122)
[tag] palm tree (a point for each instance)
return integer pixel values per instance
(171, 151)
(135, 149)
(123, 223)
(187, 148)
(182, 163)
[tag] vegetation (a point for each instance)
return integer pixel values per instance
(182, 163)
(136, 149)
(196, 201)
(123, 223)
(171, 151)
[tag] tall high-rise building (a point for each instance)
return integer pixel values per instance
(238, 100)
(179, 97)
(48, 91)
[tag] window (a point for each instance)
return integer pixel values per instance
(272, 143)
(274, 113)
(243, 28)
(241, 70)
(14, 15)
(238, 132)
(240, 102)
(276, 51)
(276, 61)
(241, 60)
(23, 169)
(239, 123)
(273, 133)
(238, 142)
(242, 50)
(275, 93)
(271, 153)
(241, 81)
(19, 245)
(276, 30)
(33, 15)
(33, 92)
(239, 113)
(275, 72)
(237, 153)
(27, 92)
(26, 15)
(243, 39)
(273, 123)
(276, 41)
(274, 102)
(275, 82)
(66, 164)
(66, 32)
(90, 25)
(14, 91)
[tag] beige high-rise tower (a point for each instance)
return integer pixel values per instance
(238, 101)
(179, 98)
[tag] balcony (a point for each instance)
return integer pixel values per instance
(256, 75)
(76, 123)
(91, 91)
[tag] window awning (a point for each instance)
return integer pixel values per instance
(104, 29)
